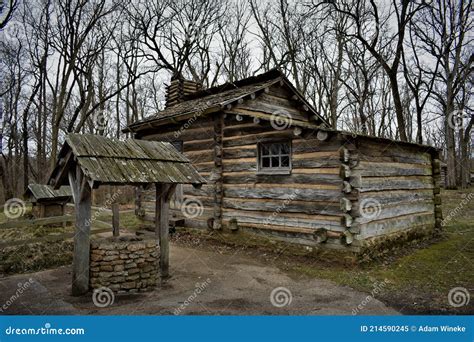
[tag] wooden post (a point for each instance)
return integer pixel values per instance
(115, 219)
(82, 194)
(163, 196)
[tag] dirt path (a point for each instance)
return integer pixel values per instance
(203, 282)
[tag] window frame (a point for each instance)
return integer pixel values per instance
(274, 170)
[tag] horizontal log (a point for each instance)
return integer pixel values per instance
(282, 193)
(326, 170)
(398, 196)
(269, 108)
(198, 145)
(283, 206)
(396, 224)
(289, 186)
(306, 239)
(287, 215)
(254, 178)
(390, 152)
(311, 144)
(326, 162)
(373, 211)
(255, 138)
(375, 169)
(390, 183)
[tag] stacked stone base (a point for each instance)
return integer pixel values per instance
(124, 264)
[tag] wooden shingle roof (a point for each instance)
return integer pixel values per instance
(217, 98)
(43, 192)
(112, 161)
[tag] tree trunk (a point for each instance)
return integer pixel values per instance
(398, 107)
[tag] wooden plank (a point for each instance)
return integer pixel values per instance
(395, 224)
(82, 194)
(283, 206)
(252, 178)
(377, 169)
(282, 193)
(364, 184)
(283, 186)
(164, 193)
(383, 212)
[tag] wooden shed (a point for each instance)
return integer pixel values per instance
(47, 201)
(274, 167)
(87, 161)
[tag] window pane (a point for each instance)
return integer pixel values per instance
(275, 149)
(275, 156)
(266, 162)
(275, 162)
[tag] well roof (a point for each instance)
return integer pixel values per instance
(112, 161)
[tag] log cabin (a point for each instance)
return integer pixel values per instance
(46, 201)
(275, 167)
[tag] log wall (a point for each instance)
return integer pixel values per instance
(294, 206)
(197, 135)
(343, 191)
(397, 190)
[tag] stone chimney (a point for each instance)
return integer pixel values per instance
(179, 88)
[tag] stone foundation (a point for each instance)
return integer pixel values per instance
(124, 264)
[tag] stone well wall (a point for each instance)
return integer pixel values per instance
(124, 264)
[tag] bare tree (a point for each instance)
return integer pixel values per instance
(444, 33)
(7, 7)
(368, 21)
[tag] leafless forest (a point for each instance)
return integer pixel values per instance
(392, 68)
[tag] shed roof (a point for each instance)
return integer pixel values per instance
(40, 192)
(216, 98)
(112, 161)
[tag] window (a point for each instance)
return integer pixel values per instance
(274, 157)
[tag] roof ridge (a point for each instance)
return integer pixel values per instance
(266, 76)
